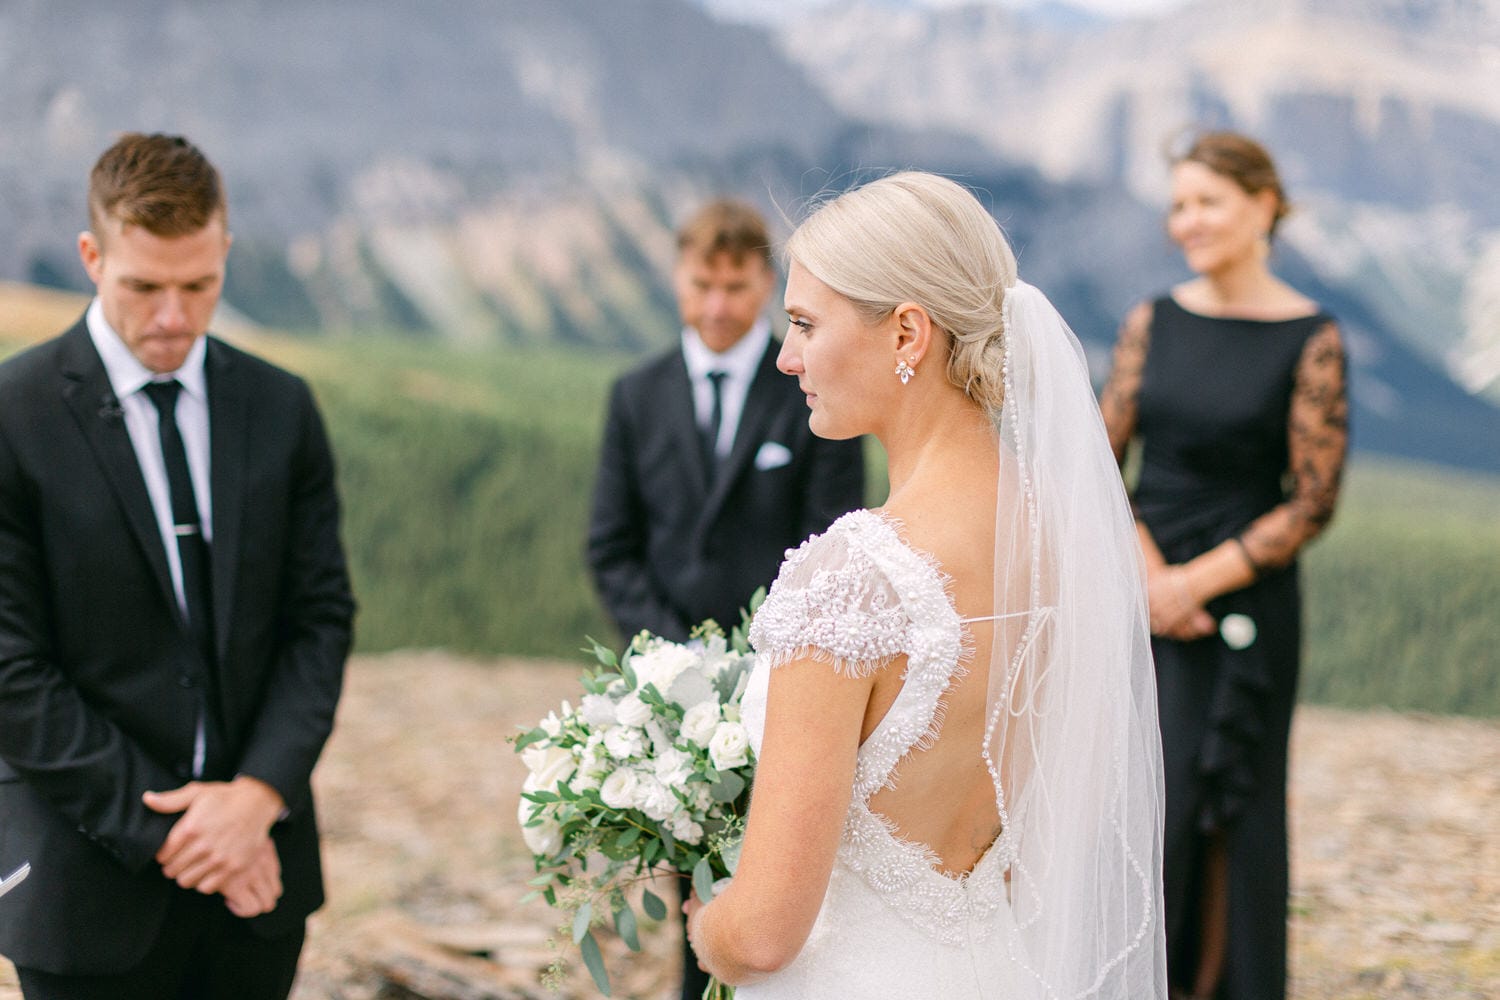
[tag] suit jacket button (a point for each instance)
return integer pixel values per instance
(185, 680)
(183, 770)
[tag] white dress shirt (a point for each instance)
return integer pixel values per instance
(128, 378)
(739, 364)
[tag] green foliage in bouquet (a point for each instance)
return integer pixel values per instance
(649, 772)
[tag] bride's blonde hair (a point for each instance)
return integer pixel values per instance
(917, 237)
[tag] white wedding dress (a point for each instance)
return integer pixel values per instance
(891, 924)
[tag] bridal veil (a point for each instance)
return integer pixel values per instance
(1072, 743)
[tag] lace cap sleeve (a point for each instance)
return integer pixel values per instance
(832, 602)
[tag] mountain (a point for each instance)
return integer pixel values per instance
(1385, 115)
(503, 171)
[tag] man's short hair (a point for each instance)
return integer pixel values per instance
(725, 226)
(162, 183)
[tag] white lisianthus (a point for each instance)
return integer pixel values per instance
(653, 798)
(545, 838)
(598, 711)
(631, 711)
(660, 665)
(730, 746)
(673, 767)
(701, 797)
(548, 764)
(618, 790)
(661, 740)
(685, 829)
(624, 742)
(552, 725)
(699, 723)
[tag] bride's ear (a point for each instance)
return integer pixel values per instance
(914, 332)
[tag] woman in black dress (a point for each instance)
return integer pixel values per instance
(1233, 384)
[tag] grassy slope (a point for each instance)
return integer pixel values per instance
(466, 479)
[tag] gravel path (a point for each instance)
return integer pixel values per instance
(1396, 841)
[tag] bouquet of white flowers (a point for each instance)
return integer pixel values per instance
(651, 769)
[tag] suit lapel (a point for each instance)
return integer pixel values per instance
(88, 394)
(228, 430)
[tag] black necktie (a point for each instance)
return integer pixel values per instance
(192, 549)
(715, 422)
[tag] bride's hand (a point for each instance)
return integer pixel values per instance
(691, 906)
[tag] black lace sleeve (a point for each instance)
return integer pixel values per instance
(1120, 399)
(1317, 440)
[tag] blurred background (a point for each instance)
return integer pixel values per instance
(455, 218)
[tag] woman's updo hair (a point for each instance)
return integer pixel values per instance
(917, 237)
(1242, 160)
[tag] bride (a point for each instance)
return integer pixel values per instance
(958, 791)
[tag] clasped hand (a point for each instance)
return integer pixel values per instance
(221, 842)
(1175, 612)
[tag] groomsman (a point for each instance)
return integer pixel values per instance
(708, 471)
(174, 619)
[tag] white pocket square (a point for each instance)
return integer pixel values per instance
(772, 456)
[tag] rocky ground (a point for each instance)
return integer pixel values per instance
(1396, 848)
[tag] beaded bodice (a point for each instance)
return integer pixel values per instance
(857, 597)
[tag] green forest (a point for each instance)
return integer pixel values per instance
(466, 479)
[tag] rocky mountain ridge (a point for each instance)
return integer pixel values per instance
(1385, 116)
(501, 173)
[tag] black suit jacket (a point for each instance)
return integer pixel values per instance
(667, 547)
(99, 675)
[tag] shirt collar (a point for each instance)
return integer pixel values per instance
(126, 373)
(740, 361)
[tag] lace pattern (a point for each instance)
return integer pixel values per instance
(857, 597)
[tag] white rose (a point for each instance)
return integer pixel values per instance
(548, 764)
(1238, 631)
(673, 767)
(660, 666)
(631, 711)
(685, 829)
(699, 723)
(624, 742)
(654, 799)
(618, 790)
(598, 711)
(730, 746)
(545, 838)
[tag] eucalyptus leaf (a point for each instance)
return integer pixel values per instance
(703, 880)
(595, 963)
(526, 739)
(652, 904)
(731, 854)
(581, 921)
(629, 837)
(728, 787)
(625, 926)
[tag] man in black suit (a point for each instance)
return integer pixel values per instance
(708, 471)
(174, 619)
